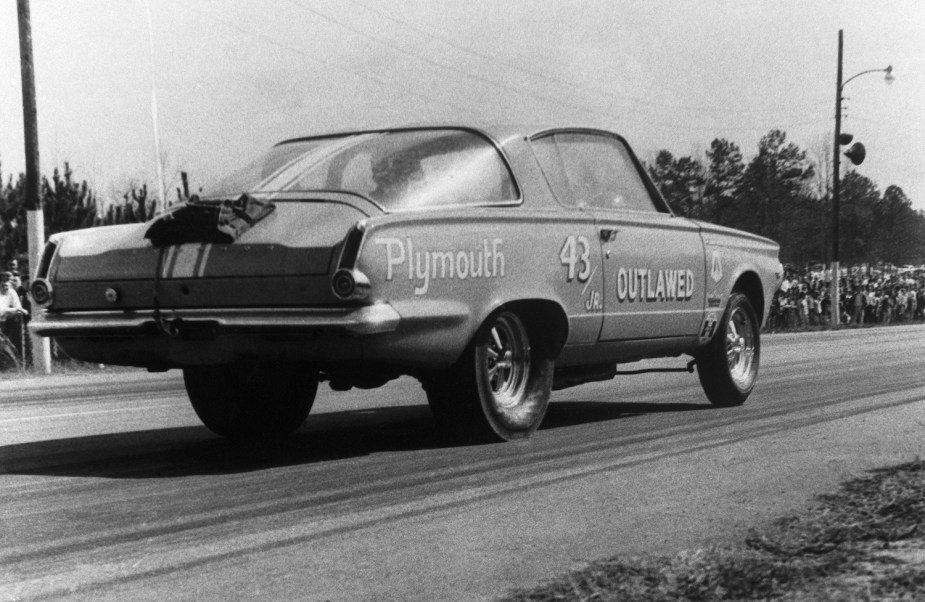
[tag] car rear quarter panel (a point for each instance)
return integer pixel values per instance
(446, 272)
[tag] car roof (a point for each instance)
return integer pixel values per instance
(499, 131)
(508, 136)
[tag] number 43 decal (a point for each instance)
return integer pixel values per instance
(576, 256)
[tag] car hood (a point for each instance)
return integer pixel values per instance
(707, 228)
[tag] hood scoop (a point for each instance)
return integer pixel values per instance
(208, 222)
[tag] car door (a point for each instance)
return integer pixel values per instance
(579, 280)
(652, 262)
(653, 276)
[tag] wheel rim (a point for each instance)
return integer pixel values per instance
(507, 362)
(740, 348)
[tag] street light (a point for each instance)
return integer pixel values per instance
(856, 154)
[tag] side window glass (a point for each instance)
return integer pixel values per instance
(591, 170)
(550, 160)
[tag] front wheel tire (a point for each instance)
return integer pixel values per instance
(728, 365)
(499, 390)
(252, 401)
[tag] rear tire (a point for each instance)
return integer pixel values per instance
(499, 390)
(728, 365)
(252, 401)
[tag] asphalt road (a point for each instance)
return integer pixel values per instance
(111, 490)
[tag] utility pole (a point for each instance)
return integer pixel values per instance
(836, 185)
(856, 154)
(159, 204)
(35, 216)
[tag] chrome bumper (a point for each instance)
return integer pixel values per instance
(369, 319)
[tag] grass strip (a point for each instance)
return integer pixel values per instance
(865, 542)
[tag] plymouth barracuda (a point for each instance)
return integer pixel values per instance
(494, 264)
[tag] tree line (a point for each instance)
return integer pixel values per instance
(68, 204)
(781, 193)
(785, 195)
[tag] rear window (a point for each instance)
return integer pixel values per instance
(398, 170)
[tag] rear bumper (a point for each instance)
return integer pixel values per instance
(209, 323)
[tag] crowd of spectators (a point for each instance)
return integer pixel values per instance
(867, 296)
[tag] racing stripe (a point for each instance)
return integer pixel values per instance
(203, 259)
(166, 262)
(184, 262)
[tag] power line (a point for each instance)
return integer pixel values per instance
(687, 126)
(463, 72)
(494, 83)
(641, 111)
(545, 77)
(314, 58)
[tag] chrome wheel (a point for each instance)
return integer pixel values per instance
(507, 361)
(499, 389)
(740, 347)
(728, 364)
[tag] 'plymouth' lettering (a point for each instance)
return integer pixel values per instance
(424, 265)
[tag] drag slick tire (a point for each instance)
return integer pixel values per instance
(500, 387)
(728, 365)
(252, 401)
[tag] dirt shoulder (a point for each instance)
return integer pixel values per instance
(865, 542)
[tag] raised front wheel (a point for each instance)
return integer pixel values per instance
(728, 365)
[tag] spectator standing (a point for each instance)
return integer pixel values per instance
(816, 308)
(803, 308)
(860, 304)
(826, 305)
(25, 342)
(789, 309)
(17, 285)
(11, 312)
(873, 306)
(901, 299)
(10, 305)
(785, 284)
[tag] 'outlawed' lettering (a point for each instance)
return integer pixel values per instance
(645, 285)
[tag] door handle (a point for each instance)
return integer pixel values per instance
(608, 234)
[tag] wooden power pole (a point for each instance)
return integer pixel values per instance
(35, 216)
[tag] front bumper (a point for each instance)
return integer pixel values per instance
(209, 323)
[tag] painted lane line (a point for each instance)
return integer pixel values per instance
(86, 413)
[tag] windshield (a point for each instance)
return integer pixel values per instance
(399, 170)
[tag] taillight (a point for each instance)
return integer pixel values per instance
(42, 293)
(350, 285)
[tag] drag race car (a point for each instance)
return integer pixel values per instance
(494, 264)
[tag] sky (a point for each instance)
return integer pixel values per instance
(234, 77)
